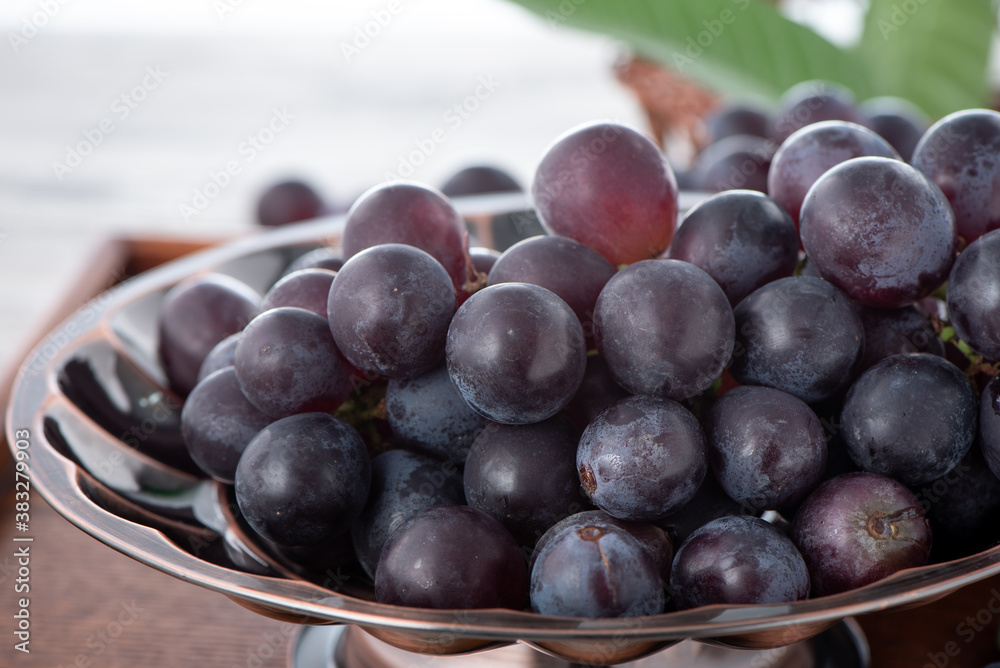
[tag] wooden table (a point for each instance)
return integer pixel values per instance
(91, 607)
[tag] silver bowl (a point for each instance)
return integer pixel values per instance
(103, 449)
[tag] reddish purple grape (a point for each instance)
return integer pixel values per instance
(897, 121)
(412, 214)
(741, 238)
(879, 230)
(574, 272)
(483, 259)
(664, 328)
(525, 475)
(196, 315)
(811, 102)
(709, 502)
(738, 162)
(738, 560)
(891, 332)
(218, 423)
(610, 188)
(911, 417)
(859, 528)
(595, 570)
(515, 352)
(974, 295)
(288, 202)
(287, 363)
(959, 154)
(642, 458)
(737, 119)
(305, 288)
(808, 153)
(766, 447)
(303, 479)
(598, 390)
(219, 357)
(480, 180)
(318, 258)
(452, 557)
(389, 309)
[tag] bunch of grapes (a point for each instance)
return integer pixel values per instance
(627, 415)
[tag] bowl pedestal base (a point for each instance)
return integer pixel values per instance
(842, 646)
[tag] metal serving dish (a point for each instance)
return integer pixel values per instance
(102, 425)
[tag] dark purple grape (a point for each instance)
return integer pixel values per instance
(738, 162)
(288, 202)
(766, 447)
(595, 571)
(218, 422)
(811, 102)
(428, 414)
(642, 458)
(989, 424)
(483, 259)
(858, 528)
(737, 119)
(808, 153)
(303, 479)
(219, 357)
(610, 188)
(897, 121)
(196, 314)
(974, 296)
(963, 506)
(879, 230)
(685, 179)
(319, 258)
(664, 328)
(709, 502)
(574, 272)
(403, 483)
(390, 307)
(525, 475)
(480, 180)
(738, 560)
(890, 332)
(412, 214)
(741, 238)
(508, 229)
(653, 539)
(452, 557)
(597, 391)
(959, 154)
(516, 353)
(286, 363)
(838, 461)
(306, 288)
(800, 335)
(322, 563)
(910, 417)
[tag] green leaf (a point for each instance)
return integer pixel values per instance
(934, 53)
(737, 47)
